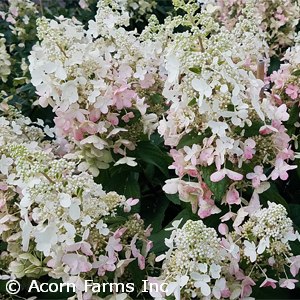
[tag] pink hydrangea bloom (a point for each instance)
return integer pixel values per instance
(281, 168)
(269, 282)
(292, 91)
(232, 197)
(288, 283)
(257, 176)
(295, 265)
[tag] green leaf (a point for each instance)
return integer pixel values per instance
(121, 181)
(298, 168)
(190, 139)
(196, 70)
(149, 171)
(295, 245)
(153, 211)
(3, 286)
(3, 246)
(295, 213)
(152, 154)
(253, 129)
(157, 139)
(131, 185)
(173, 198)
(294, 117)
(116, 171)
(274, 64)
(192, 102)
(296, 73)
(269, 293)
(272, 195)
(25, 88)
(157, 98)
(136, 273)
(218, 188)
(114, 220)
(19, 81)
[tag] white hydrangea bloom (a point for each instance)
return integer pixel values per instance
(4, 60)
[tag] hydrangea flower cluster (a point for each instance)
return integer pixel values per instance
(4, 60)
(100, 83)
(136, 8)
(193, 264)
(16, 128)
(19, 14)
(199, 264)
(278, 18)
(18, 19)
(264, 242)
(57, 221)
(286, 81)
(223, 127)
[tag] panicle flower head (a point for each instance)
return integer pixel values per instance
(19, 14)
(199, 264)
(219, 118)
(265, 244)
(4, 60)
(286, 80)
(136, 9)
(101, 83)
(56, 220)
(278, 18)
(193, 262)
(198, 242)
(271, 222)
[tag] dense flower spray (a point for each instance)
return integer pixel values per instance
(224, 129)
(18, 15)
(286, 81)
(57, 221)
(100, 83)
(17, 26)
(277, 18)
(136, 8)
(4, 60)
(201, 265)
